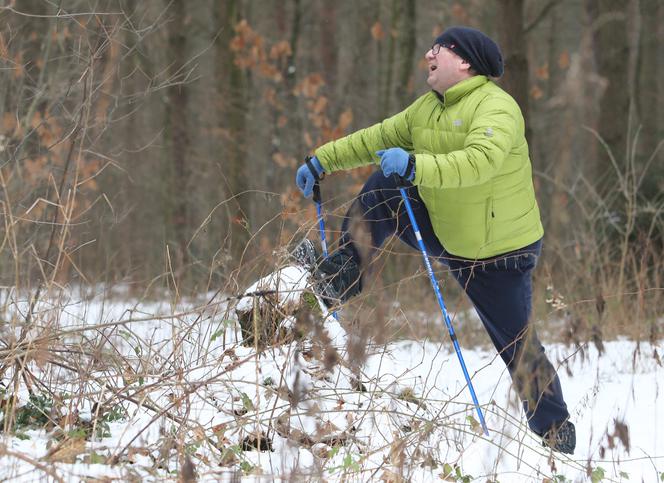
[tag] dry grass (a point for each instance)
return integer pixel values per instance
(78, 375)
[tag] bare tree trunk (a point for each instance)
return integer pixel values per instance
(389, 62)
(328, 41)
(291, 76)
(651, 69)
(513, 44)
(649, 89)
(612, 55)
(232, 91)
(658, 34)
(178, 135)
(407, 54)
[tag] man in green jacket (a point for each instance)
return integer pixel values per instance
(463, 149)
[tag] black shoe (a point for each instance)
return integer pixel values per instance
(336, 278)
(561, 438)
(306, 255)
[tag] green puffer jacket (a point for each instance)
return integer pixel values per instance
(472, 168)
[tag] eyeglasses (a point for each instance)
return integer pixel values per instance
(435, 48)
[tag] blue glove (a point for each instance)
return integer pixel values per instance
(305, 179)
(395, 160)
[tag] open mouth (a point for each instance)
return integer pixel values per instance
(433, 67)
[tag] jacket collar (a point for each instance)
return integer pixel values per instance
(460, 89)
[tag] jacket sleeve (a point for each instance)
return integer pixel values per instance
(359, 148)
(492, 134)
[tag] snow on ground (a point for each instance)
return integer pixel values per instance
(413, 417)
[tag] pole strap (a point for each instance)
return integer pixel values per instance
(317, 177)
(313, 170)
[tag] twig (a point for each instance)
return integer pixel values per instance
(50, 471)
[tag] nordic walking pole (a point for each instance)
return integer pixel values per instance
(319, 202)
(401, 185)
(321, 221)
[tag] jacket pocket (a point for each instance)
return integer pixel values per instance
(489, 216)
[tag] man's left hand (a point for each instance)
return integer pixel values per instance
(394, 160)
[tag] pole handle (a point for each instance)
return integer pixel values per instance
(317, 196)
(400, 181)
(317, 178)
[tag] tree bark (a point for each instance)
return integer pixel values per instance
(651, 68)
(389, 62)
(407, 55)
(178, 135)
(513, 44)
(612, 57)
(232, 92)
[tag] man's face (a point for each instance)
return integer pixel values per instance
(445, 68)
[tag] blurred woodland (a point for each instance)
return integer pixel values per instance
(156, 142)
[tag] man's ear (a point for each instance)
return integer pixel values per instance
(465, 65)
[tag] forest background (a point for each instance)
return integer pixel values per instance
(155, 143)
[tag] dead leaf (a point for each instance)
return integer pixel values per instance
(536, 92)
(345, 118)
(388, 476)
(68, 451)
(397, 454)
(284, 161)
(9, 123)
(622, 433)
(4, 52)
(187, 471)
(350, 419)
(563, 60)
(326, 429)
(319, 105)
(320, 450)
(199, 434)
(280, 49)
(542, 73)
(309, 86)
(228, 458)
(377, 31)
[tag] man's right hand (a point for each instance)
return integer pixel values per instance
(305, 179)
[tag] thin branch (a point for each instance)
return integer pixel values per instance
(540, 16)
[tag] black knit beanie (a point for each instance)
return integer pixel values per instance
(482, 53)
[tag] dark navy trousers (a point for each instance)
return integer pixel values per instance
(500, 288)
